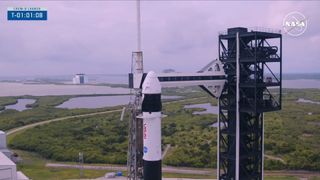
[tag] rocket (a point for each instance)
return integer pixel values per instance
(151, 114)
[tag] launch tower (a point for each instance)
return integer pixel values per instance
(252, 63)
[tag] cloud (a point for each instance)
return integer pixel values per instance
(98, 37)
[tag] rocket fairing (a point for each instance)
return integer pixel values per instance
(151, 114)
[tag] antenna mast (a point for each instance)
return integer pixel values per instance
(138, 26)
(135, 148)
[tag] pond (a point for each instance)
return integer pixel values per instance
(21, 104)
(216, 124)
(209, 109)
(302, 100)
(92, 102)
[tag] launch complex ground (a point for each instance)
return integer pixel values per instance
(115, 168)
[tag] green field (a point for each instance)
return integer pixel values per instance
(34, 167)
(292, 135)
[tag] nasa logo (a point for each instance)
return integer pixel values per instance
(145, 149)
(294, 23)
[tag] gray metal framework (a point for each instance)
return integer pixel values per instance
(259, 91)
(135, 147)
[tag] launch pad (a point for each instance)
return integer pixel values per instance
(246, 79)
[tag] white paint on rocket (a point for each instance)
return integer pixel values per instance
(152, 136)
(151, 121)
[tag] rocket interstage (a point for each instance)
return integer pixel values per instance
(151, 114)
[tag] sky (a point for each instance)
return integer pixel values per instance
(98, 37)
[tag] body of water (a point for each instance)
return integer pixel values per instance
(302, 100)
(101, 101)
(216, 124)
(95, 102)
(301, 84)
(93, 78)
(21, 104)
(209, 109)
(20, 89)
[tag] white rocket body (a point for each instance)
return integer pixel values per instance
(151, 114)
(152, 136)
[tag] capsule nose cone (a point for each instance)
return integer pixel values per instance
(152, 74)
(151, 84)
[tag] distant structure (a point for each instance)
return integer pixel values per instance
(8, 169)
(80, 79)
(168, 71)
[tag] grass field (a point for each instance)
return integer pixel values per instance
(34, 167)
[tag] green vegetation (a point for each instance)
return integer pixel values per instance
(293, 133)
(102, 139)
(4, 101)
(280, 178)
(192, 139)
(292, 136)
(42, 109)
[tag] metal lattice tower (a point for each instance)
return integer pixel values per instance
(135, 148)
(135, 141)
(252, 88)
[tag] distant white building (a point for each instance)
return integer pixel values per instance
(8, 169)
(80, 79)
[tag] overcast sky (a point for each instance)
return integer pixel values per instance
(97, 37)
